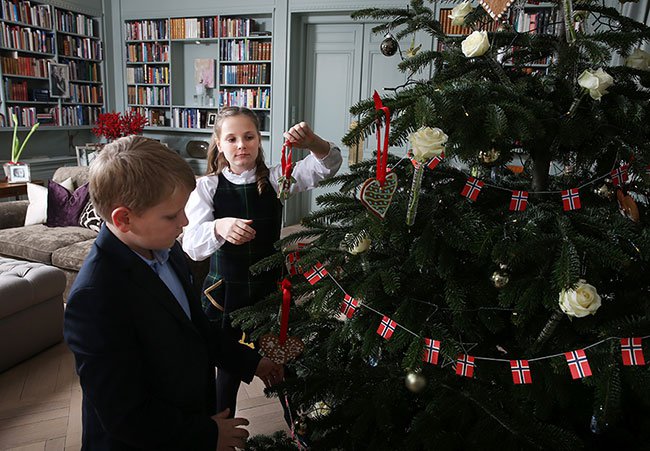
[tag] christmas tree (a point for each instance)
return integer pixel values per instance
(487, 289)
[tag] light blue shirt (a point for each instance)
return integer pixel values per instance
(161, 266)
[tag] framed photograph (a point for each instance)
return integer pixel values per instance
(212, 119)
(59, 80)
(19, 173)
(86, 154)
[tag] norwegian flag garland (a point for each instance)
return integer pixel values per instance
(571, 199)
(465, 365)
(431, 164)
(431, 351)
(472, 189)
(632, 352)
(292, 263)
(316, 273)
(619, 175)
(386, 327)
(349, 306)
(520, 372)
(578, 364)
(519, 200)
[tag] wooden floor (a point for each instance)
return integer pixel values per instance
(40, 405)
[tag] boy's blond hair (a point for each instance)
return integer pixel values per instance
(137, 173)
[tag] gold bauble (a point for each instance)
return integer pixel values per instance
(319, 410)
(415, 381)
(500, 279)
(300, 426)
(604, 191)
(489, 156)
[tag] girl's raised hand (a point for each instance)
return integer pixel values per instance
(235, 230)
(300, 135)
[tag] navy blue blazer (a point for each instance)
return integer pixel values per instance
(146, 370)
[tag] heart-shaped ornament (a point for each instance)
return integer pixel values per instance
(377, 198)
(495, 8)
(281, 353)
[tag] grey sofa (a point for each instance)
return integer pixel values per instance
(62, 247)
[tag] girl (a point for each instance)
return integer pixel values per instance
(235, 216)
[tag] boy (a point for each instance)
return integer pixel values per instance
(145, 351)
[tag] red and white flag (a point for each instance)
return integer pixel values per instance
(349, 305)
(435, 161)
(292, 262)
(316, 273)
(386, 327)
(520, 372)
(571, 199)
(465, 365)
(632, 352)
(619, 175)
(519, 200)
(431, 351)
(578, 363)
(472, 188)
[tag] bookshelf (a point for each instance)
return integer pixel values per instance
(181, 70)
(38, 44)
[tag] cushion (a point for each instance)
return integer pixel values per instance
(71, 257)
(37, 242)
(64, 207)
(37, 208)
(90, 219)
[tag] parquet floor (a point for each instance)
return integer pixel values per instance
(40, 405)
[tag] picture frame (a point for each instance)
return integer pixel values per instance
(19, 173)
(59, 80)
(212, 119)
(86, 154)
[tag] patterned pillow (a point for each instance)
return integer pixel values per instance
(90, 219)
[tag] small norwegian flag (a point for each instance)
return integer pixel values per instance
(386, 327)
(571, 199)
(431, 351)
(435, 161)
(292, 263)
(472, 188)
(632, 352)
(519, 200)
(316, 273)
(578, 364)
(619, 175)
(465, 365)
(520, 372)
(349, 305)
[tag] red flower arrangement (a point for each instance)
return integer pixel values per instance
(115, 125)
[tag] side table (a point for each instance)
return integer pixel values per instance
(15, 189)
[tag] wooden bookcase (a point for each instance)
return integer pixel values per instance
(35, 41)
(181, 70)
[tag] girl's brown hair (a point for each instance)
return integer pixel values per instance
(217, 160)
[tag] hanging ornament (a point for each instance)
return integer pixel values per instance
(359, 245)
(415, 381)
(300, 425)
(627, 206)
(495, 8)
(283, 348)
(500, 278)
(604, 191)
(389, 45)
(319, 410)
(413, 50)
(286, 179)
(376, 193)
(489, 156)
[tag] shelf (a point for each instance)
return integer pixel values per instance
(230, 38)
(246, 62)
(80, 58)
(69, 33)
(31, 52)
(245, 85)
(141, 105)
(30, 77)
(195, 40)
(86, 82)
(48, 127)
(137, 41)
(31, 102)
(198, 107)
(147, 84)
(81, 103)
(21, 24)
(147, 62)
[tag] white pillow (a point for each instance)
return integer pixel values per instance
(37, 195)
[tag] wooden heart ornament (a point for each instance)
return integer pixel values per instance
(281, 353)
(377, 198)
(495, 8)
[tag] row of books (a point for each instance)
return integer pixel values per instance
(84, 71)
(147, 74)
(70, 22)
(86, 94)
(24, 65)
(250, 98)
(541, 21)
(157, 117)
(78, 47)
(147, 52)
(144, 30)
(17, 37)
(26, 115)
(245, 50)
(191, 118)
(246, 74)
(235, 27)
(195, 27)
(78, 115)
(25, 12)
(148, 95)
(449, 29)
(16, 90)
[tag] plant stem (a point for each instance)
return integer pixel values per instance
(415, 194)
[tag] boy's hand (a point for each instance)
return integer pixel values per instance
(302, 136)
(234, 230)
(270, 372)
(230, 436)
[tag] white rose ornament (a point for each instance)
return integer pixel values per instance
(580, 301)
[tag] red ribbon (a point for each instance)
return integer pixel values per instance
(284, 316)
(382, 153)
(286, 159)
